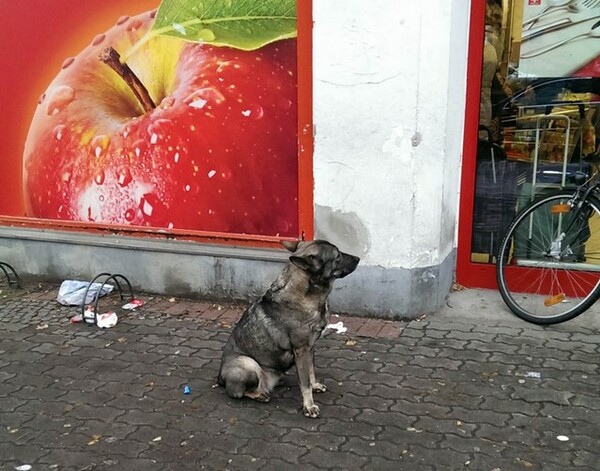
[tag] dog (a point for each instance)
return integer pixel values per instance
(280, 329)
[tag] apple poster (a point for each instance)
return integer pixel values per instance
(173, 114)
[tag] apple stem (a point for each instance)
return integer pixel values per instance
(112, 58)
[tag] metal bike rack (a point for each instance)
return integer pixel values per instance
(10, 274)
(118, 279)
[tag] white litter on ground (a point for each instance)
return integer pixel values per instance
(338, 327)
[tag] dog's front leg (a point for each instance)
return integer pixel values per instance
(314, 384)
(304, 367)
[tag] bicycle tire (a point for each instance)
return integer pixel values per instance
(548, 263)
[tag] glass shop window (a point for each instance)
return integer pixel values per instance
(539, 112)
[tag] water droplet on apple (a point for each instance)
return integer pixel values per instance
(198, 103)
(98, 39)
(124, 176)
(130, 128)
(167, 102)
(99, 145)
(99, 178)
(208, 95)
(146, 206)
(152, 207)
(170, 225)
(59, 132)
(66, 176)
(226, 66)
(283, 226)
(101, 197)
(129, 214)
(122, 20)
(254, 111)
(226, 174)
(212, 173)
(61, 97)
(134, 24)
(67, 62)
(285, 103)
(158, 130)
(206, 35)
(176, 157)
(179, 28)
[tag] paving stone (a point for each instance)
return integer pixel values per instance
(219, 460)
(440, 362)
(418, 409)
(372, 448)
(448, 426)
(383, 464)
(325, 459)
(286, 451)
(439, 394)
(279, 465)
(505, 434)
(312, 439)
(390, 331)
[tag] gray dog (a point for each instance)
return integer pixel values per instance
(281, 328)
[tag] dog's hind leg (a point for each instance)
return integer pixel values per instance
(243, 376)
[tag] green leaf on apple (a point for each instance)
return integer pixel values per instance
(240, 24)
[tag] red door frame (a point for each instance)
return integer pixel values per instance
(469, 274)
(305, 169)
(305, 120)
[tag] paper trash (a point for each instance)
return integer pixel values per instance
(71, 292)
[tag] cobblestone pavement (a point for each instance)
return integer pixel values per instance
(451, 391)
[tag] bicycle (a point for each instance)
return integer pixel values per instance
(548, 263)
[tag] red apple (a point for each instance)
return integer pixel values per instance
(217, 153)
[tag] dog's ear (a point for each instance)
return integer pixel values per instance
(291, 245)
(308, 263)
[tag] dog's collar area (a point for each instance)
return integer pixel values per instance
(323, 286)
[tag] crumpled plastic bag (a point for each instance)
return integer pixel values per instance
(71, 292)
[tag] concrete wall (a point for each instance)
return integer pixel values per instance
(389, 88)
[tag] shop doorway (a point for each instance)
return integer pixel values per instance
(532, 117)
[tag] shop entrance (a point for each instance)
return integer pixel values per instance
(531, 120)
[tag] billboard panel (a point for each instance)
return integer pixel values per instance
(169, 115)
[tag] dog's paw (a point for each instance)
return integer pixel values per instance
(263, 397)
(319, 387)
(312, 411)
(260, 396)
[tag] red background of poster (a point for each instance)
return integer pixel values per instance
(39, 36)
(36, 39)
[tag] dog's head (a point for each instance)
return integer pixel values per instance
(321, 260)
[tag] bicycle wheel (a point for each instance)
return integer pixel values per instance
(548, 264)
